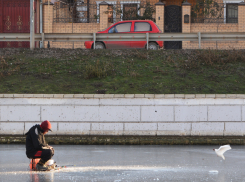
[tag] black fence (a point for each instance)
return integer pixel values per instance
(214, 13)
(131, 11)
(68, 11)
(75, 12)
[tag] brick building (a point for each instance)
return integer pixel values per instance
(89, 16)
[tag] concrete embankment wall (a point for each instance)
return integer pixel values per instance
(125, 115)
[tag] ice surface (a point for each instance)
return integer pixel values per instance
(126, 163)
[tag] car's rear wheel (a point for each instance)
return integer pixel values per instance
(152, 46)
(99, 45)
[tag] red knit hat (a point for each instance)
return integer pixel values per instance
(46, 125)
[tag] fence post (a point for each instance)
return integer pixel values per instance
(48, 19)
(160, 15)
(147, 40)
(94, 37)
(241, 22)
(32, 23)
(241, 17)
(186, 27)
(103, 15)
(199, 39)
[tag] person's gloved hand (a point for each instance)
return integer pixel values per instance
(52, 149)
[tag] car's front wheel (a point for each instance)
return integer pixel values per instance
(152, 46)
(99, 45)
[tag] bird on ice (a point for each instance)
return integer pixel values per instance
(222, 150)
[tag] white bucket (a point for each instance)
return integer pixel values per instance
(50, 162)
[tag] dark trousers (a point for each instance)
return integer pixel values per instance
(44, 154)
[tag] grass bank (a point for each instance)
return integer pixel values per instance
(64, 71)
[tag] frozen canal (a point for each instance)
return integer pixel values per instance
(127, 163)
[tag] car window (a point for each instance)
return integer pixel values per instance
(122, 27)
(142, 26)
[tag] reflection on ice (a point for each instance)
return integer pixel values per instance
(104, 168)
(213, 171)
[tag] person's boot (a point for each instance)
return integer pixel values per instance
(51, 164)
(41, 166)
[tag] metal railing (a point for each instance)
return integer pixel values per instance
(97, 37)
(207, 12)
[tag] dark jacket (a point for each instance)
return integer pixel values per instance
(35, 140)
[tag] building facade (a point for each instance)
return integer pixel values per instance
(90, 16)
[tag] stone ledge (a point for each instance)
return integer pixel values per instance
(179, 96)
(48, 95)
(99, 96)
(169, 96)
(159, 96)
(139, 95)
(129, 140)
(210, 95)
(8, 95)
(129, 95)
(68, 95)
(199, 96)
(231, 96)
(190, 96)
(58, 95)
(240, 96)
(108, 95)
(78, 95)
(118, 95)
(220, 96)
(28, 95)
(38, 95)
(88, 96)
(18, 95)
(148, 96)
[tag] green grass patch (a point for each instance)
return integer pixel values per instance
(63, 71)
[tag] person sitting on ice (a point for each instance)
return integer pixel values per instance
(36, 146)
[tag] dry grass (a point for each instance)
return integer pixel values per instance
(98, 70)
(122, 71)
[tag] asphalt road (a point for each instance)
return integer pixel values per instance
(127, 163)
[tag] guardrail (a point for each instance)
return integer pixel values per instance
(78, 37)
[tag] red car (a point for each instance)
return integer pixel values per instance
(130, 26)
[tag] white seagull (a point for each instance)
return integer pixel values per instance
(222, 150)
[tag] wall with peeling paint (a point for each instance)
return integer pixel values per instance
(129, 114)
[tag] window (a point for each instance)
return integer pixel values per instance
(122, 27)
(142, 26)
(110, 13)
(231, 13)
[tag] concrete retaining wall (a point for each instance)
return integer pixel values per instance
(129, 114)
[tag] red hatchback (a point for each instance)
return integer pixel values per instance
(130, 26)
